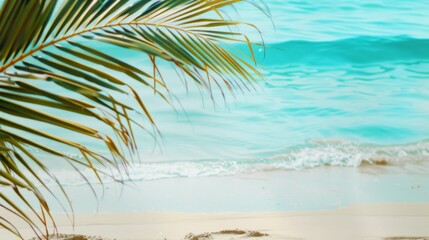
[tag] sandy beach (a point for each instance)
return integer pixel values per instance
(366, 221)
(377, 202)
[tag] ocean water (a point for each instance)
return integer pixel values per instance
(346, 82)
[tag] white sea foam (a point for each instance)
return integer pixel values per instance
(312, 155)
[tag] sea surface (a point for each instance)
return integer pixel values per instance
(346, 83)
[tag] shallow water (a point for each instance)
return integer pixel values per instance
(346, 82)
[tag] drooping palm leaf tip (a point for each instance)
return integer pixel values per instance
(49, 44)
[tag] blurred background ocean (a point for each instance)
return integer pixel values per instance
(345, 82)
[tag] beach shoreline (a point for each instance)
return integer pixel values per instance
(321, 188)
(362, 221)
(368, 202)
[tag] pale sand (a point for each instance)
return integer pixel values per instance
(360, 222)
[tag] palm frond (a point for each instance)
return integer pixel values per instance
(50, 43)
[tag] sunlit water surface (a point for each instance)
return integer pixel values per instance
(345, 82)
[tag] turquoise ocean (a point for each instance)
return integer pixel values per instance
(346, 85)
(345, 82)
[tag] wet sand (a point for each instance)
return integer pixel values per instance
(365, 203)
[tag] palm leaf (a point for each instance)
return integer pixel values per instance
(50, 43)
